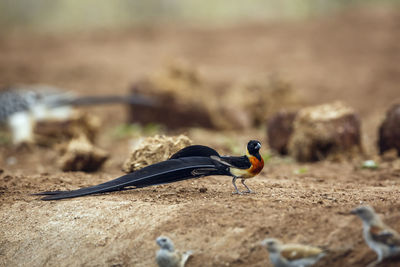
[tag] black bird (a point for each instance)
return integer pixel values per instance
(190, 162)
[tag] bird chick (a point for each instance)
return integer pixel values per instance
(379, 237)
(291, 255)
(167, 256)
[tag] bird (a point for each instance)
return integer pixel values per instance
(167, 256)
(21, 106)
(292, 255)
(379, 237)
(190, 162)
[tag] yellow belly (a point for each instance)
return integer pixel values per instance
(240, 173)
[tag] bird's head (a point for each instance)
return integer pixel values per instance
(253, 147)
(271, 244)
(165, 243)
(366, 213)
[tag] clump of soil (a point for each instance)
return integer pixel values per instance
(51, 132)
(389, 131)
(184, 99)
(81, 155)
(279, 131)
(181, 80)
(261, 98)
(250, 103)
(325, 131)
(178, 91)
(151, 150)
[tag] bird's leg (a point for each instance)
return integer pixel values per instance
(234, 184)
(248, 189)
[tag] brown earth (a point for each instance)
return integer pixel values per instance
(352, 56)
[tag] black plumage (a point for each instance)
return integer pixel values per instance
(190, 162)
(242, 162)
(182, 165)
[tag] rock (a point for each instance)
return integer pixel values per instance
(389, 131)
(51, 132)
(389, 155)
(263, 97)
(81, 155)
(203, 189)
(325, 131)
(178, 91)
(151, 150)
(185, 99)
(279, 131)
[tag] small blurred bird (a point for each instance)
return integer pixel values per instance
(22, 106)
(381, 238)
(292, 255)
(167, 256)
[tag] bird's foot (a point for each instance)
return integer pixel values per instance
(237, 193)
(249, 192)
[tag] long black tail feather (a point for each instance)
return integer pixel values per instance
(135, 99)
(168, 171)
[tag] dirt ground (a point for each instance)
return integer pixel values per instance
(352, 56)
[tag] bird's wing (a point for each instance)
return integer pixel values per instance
(195, 151)
(296, 251)
(385, 235)
(242, 162)
(160, 173)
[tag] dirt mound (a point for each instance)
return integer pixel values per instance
(184, 98)
(150, 150)
(325, 131)
(389, 131)
(81, 155)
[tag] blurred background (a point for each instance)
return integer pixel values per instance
(322, 50)
(91, 14)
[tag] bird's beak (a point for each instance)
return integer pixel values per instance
(258, 146)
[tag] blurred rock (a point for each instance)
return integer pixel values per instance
(151, 150)
(326, 131)
(185, 99)
(178, 91)
(81, 155)
(51, 132)
(226, 113)
(279, 131)
(389, 131)
(389, 155)
(261, 98)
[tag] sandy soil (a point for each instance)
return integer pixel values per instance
(351, 56)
